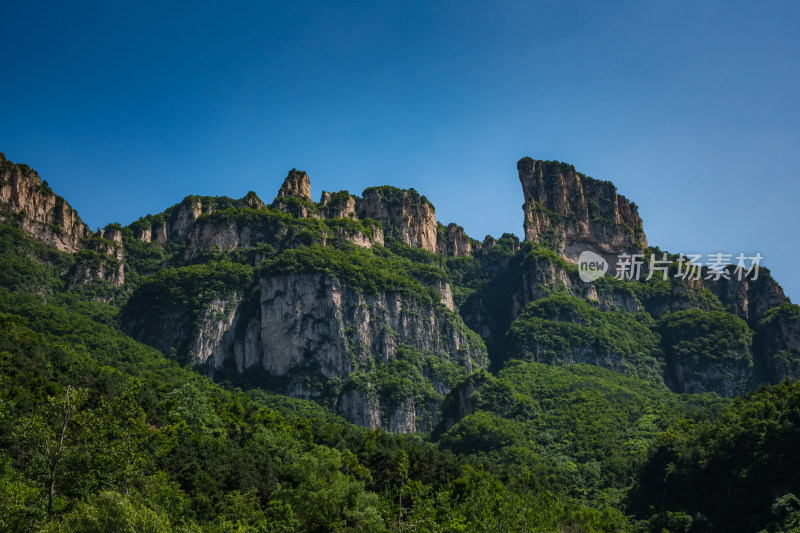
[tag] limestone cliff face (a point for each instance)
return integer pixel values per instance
(748, 298)
(30, 204)
(296, 184)
(252, 201)
(181, 223)
(156, 232)
(223, 235)
(314, 313)
(227, 234)
(107, 263)
(294, 196)
(338, 205)
(776, 344)
(194, 222)
(383, 212)
(453, 241)
(307, 330)
(215, 338)
(404, 215)
(176, 224)
(540, 275)
(518, 278)
(362, 409)
(314, 323)
(572, 213)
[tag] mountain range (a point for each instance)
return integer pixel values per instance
(370, 311)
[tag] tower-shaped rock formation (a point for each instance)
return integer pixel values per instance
(572, 213)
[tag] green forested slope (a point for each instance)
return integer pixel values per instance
(739, 472)
(124, 439)
(99, 432)
(579, 429)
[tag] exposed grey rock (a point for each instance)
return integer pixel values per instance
(28, 203)
(454, 242)
(360, 409)
(216, 334)
(572, 213)
(404, 215)
(340, 205)
(315, 314)
(296, 184)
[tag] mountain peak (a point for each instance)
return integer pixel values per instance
(572, 213)
(296, 184)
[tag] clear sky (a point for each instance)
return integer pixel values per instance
(690, 108)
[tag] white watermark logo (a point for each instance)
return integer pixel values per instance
(717, 266)
(591, 266)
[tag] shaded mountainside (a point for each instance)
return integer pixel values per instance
(736, 473)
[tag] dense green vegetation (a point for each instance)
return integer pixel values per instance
(411, 374)
(27, 266)
(395, 197)
(579, 429)
(738, 472)
(360, 269)
(99, 432)
(562, 329)
(700, 341)
(124, 439)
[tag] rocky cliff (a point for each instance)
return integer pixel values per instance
(314, 324)
(370, 306)
(776, 344)
(177, 223)
(29, 203)
(102, 257)
(748, 298)
(202, 224)
(338, 205)
(572, 213)
(511, 313)
(381, 212)
(311, 335)
(296, 185)
(294, 196)
(453, 241)
(404, 214)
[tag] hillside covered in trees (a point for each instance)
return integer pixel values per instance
(354, 365)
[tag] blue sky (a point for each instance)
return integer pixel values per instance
(690, 108)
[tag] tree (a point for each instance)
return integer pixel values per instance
(48, 433)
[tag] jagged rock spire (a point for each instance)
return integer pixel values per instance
(296, 184)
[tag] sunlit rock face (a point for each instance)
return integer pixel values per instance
(404, 214)
(28, 203)
(572, 213)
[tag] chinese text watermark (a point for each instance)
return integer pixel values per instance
(592, 266)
